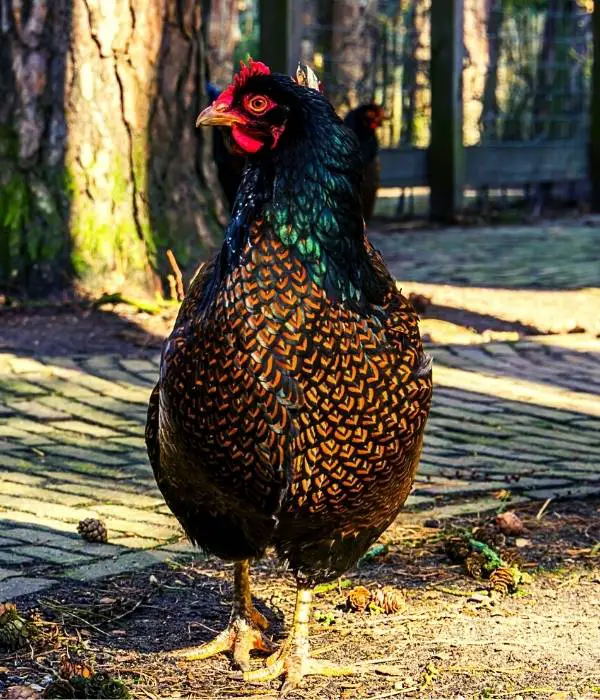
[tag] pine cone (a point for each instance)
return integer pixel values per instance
(60, 689)
(14, 630)
(389, 600)
(23, 692)
(101, 685)
(93, 530)
(502, 580)
(457, 549)
(475, 564)
(359, 598)
(490, 536)
(74, 666)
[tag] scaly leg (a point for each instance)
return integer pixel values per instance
(293, 659)
(245, 629)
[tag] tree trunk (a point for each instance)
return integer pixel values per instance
(489, 112)
(409, 76)
(350, 83)
(552, 71)
(222, 36)
(100, 164)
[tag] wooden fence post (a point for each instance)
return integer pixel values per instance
(280, 34)
(595, 114)
(446, 151)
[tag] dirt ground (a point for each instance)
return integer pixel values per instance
(451, 636)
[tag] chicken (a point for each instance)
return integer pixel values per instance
(294, 389)
(364, 121)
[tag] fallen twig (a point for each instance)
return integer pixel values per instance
(179, 290)
(542, 510)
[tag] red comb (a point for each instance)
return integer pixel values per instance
(246, 71)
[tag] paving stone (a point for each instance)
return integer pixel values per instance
(138, 366)
(67, 407)
(23, 585)
(481, 505)
(75, 543)
(7, 557)
(8, 573)
(23, 437)
(143, 529)
(47, 495)
(571, 492)
(89, 468)
(54, 556)
(19, 478)
(111, 567)
(19, 387)
(137, 542)
(86, 455)
(37, 409)
(10, 461)
(183, 548)
(128, 487)
(112, 496)
(77, 426)
(26, 365)
(134, 515)
(60, 387)
(41, 509)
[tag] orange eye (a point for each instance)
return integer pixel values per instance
(257, 104)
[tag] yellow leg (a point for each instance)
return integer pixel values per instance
(245, 629)
(293, 660)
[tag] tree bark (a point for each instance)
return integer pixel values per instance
(553, 71)
(99, 143)
(489, 112)
(409, 76)
(222, 36)
(350, 82)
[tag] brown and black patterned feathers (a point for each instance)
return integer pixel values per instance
(288, 414)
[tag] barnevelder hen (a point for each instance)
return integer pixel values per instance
(364, 122)
(294, 388)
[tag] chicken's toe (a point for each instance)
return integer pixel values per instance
(240, 637)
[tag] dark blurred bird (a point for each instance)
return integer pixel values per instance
(364, 122)
(294, 388)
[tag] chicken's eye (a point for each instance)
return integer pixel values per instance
(257, 104)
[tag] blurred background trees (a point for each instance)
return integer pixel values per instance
(102, 171)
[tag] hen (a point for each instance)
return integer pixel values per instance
(293, 389)
(364, 121)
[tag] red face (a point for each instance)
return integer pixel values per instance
(250, 115)
(374, 116)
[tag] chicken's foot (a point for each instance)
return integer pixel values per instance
(293, 660)
(245, 629)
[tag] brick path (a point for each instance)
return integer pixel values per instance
(521, 416)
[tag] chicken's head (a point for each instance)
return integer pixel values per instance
(373, 115)
(252, 108)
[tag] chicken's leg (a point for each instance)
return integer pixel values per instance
(245, 629)
(293, 659)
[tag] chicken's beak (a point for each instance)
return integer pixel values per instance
(218, 114)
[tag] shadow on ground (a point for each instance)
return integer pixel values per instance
(73, 329)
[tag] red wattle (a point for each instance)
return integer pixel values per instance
(248, 143)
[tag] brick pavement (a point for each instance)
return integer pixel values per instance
(521, 416)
